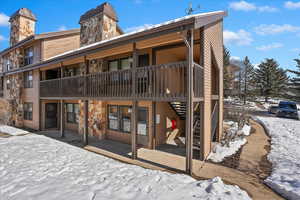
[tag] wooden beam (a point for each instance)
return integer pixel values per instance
(62, 119)
(86, 106)
(153, 125)
(86, 121)
(190, 104)
(134, 105)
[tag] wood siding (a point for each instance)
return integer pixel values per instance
(54, 46)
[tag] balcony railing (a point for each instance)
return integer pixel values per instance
(165, 82)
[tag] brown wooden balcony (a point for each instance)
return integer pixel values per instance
(165, 82)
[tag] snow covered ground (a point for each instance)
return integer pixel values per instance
(221, 151)
(37, 167)
(12, 130)
(284, 155)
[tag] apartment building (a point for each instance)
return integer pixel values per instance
(136, 88)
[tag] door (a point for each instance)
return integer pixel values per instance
(51, 115)
(142, 135)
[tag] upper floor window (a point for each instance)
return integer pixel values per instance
(28, 83)
(71, 71)
(28, 56)
(7, 65)
(144, 60)
(8, 83)
(120, 64)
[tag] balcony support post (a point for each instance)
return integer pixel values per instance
(134, 105)
(189, 40)
(86, 105)
(62, 119)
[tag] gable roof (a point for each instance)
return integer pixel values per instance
(40, 37)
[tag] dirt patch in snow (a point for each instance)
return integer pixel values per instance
(232, 161)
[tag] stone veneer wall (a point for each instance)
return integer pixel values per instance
(21, 28)
(97, 109)
(96, 120)
(15, 100)
(97, 28)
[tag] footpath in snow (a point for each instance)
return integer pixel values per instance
(284, 155)
(37, 167)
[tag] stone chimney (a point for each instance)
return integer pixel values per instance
(22, 25)
(98, 24)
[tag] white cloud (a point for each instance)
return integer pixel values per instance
(292, 5)
(267, 9)
(137, 28)
(295, 50)
(62, 28)
(4, 20)
(235, 58)
(240, 37)
(273, 29)
(246, 6)
(269, 47)
(2, 38)
(242, 5)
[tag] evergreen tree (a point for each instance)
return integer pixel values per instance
(227, 76)
(247, 78)
(271, 79)
(295, 82)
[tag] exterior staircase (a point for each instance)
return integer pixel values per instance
(180, 109)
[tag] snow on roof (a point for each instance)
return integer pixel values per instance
(137, 31)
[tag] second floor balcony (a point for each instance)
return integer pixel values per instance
(165, 82)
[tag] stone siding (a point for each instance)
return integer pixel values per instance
(20, 29)
(97, 28)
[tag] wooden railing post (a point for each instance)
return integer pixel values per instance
(134, 106)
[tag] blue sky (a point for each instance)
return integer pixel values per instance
(255, 28)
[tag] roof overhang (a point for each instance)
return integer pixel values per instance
(189, 22)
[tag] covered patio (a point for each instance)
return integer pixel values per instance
(166, 157)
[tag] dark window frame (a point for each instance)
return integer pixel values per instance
(28, 58)
(27, 111)
(72, 117)
(27, 82)
(120, 118)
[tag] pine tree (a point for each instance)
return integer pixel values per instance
(227, 76)
(295, 82)
(247, 78)
(271, 79)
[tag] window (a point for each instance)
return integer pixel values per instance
(119, 64)
(8, 83)
(28, 79)
(119, 119)
(142, 121)
(125, 113)
(28, 111)
(72, 113)
(125, 63)
(28, 56)
(71, 71)
(7, 65)
(144, 60)
(113, 65)
(113, 122)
